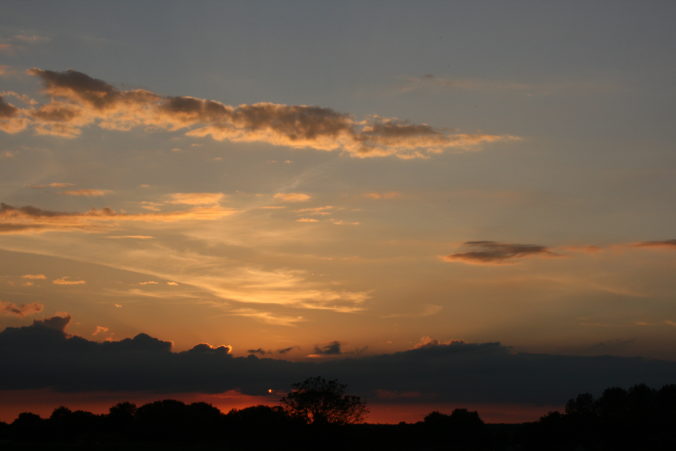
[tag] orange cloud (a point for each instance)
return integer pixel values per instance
(32, 219)
(52, 185)
(34, 276)
(12, 119)
(19, 310)
(100, 330)
(664, 244)
(86, 192)
(78, 100)
(318, 211)
(292, 197)
(384, 195)
(66, 281)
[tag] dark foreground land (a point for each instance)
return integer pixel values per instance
(640, 418)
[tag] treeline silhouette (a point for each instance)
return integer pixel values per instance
(640, 418)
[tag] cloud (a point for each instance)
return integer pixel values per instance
(323, 210)
(87, 192)
(67, 281)
(34, 276)
(286, 350)
(78, 100)
(266, 317)
(149, 282)
(664, 244)
(308, 220)
(10, 44)
(11, 118)
(332, 348)
(493, 252)
(53, 185)
(19, 310)
(383, 195)
(130, 237)
(292, 197)
(528, 88)
(44, 356)
(195, 198)
(57, 323)
(100, 330)
(33, 219)
(258, 351)
(343, 222)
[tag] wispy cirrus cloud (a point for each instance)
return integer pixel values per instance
(195, 198)
(78, 100)
(494, 252)
(53, 185)
(12, 43)
(663, 244)
(33, 219)
(67, 281)
(492, 85)
(86, 192)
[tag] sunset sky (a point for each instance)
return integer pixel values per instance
(343, 183)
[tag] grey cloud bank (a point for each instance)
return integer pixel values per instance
(44, 356)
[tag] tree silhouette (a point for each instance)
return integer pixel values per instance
(320, 401)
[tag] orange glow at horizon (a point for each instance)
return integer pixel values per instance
(43, 402)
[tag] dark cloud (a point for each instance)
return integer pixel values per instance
(493, 252)
(258, 351)
(332, 348)
(665, 244)
(7, 110)
(78, 100)
(285, 350)
(43, 356)
(57, 323)
(11, 118)
(11, 309)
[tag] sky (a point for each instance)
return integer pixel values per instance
(458, 188)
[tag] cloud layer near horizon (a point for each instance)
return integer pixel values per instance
(44, 356)
(77, 100)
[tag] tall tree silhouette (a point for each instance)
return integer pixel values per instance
(320, 401)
